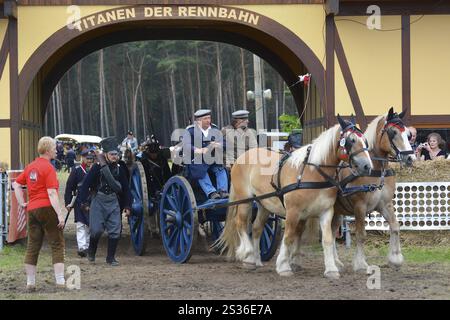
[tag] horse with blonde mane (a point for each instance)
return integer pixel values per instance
(388, 140)
(311, 170)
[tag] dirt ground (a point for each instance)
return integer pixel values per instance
(208, 276)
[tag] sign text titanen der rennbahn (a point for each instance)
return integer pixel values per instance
(122, 14)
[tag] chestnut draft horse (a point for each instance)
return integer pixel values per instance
(311, 170)
(388, 141)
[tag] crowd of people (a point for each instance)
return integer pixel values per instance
(433, 148)
(98, 190)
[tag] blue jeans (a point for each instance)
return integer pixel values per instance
(221, 178)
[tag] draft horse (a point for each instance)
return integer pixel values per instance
(311, 170)
(388, 141)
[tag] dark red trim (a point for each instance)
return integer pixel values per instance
(5, 123)
(162, 2)
(420, 121)
(359, 8)
(4, 51)
(342, 59)
(406, 66)
(329, 111)
(14, 93)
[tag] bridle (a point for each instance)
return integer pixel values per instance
(345, 144)
(395, 122)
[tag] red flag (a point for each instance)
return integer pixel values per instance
(17, 214)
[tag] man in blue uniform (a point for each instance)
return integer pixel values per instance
(108, 180)
(73, 185)
(70, 159)
(204, 141)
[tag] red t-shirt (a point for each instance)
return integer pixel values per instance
(39, 176)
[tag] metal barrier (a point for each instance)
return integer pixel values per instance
(418, 206)
(4, 214)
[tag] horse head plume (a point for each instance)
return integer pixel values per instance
(344, 124)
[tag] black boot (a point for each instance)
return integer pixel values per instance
(93, 242)
(112, 246)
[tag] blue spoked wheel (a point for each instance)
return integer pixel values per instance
(270, 237)
(138, 220)
(178, 224)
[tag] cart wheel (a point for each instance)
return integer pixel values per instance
(138, 219)
(270, 237)
(178, 222)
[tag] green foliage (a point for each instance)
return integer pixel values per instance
(289, 123)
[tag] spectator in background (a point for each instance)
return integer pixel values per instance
(70, 159)
(432, 149)
(294, 142)
(412, 138)
(44, 214)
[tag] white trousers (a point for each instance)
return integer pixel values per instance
(82, 236)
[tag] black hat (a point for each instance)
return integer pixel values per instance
(130, 132)
(85, 152)
(109, 144)
(295, 139)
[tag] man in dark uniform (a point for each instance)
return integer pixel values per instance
(204, 142)
(108, 180)
(70, 158)
(155, 161)
(294, 142)
(73, 186)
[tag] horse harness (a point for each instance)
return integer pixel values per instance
(347, 191)
(329, 183)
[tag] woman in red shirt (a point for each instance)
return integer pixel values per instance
(44, 211)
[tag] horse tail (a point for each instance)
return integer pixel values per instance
(229, 239)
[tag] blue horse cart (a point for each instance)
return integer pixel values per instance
(174, 211)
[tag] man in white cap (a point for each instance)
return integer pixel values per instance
(239, 137)
(205, 143)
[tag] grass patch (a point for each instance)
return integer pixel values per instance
(12, 258)
(422, 254)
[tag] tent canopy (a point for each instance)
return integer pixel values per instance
(78, 138)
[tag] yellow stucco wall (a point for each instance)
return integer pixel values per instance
(4, 77)
(374, 58)
(430, 65)
(55, 18)
(5, 145)
(3, 27)
(4, 92)
(306, 21)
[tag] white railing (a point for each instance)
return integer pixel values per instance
(418, 206)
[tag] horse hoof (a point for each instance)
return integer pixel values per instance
(296, 267)
(249, 266)
(361, 270)
(396, 261)
(286, 273)
(332, 275)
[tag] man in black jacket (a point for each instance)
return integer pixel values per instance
(108, 180)
(73, 185)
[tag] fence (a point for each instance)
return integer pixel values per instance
(4, 214)
(418, 206)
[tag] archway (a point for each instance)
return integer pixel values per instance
(276, 44)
